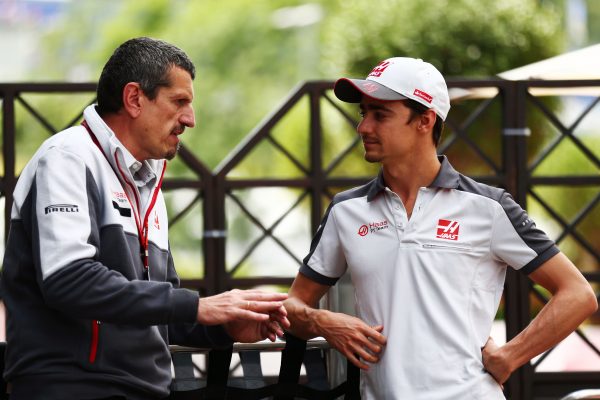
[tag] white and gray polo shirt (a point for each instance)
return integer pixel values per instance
(434, 282)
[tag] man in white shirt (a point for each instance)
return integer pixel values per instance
(427, 250)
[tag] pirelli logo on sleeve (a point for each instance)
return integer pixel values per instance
(63, 208)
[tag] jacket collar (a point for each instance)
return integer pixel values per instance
(116, 153)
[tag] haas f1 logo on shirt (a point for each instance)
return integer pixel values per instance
(447, 229)
(373, 227)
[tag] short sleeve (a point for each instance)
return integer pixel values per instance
(516, 240)
(326, 262)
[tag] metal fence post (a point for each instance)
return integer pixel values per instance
(516, 182)
(8, 152)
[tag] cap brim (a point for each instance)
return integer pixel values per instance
(352, 90)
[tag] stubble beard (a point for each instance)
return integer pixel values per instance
(371, 158)
(171, 154)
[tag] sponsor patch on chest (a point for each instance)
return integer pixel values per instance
(373, 227)
(447, 229)
(121, 203)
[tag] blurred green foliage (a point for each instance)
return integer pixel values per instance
(246, 63)
(460, 37)
(593, 7)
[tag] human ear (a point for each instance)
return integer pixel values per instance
(132, 93)
(427, 120)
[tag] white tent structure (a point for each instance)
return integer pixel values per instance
(578, 64)
(582, 64)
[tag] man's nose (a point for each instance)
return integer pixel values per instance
(187, 118)
(364, 126)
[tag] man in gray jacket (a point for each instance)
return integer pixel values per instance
(88, 279)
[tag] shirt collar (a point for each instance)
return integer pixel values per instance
(141, 171)
(447, 178)
(377, 186)
(130, 161)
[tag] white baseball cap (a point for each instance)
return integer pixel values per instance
(399, 78)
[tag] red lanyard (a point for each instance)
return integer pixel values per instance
(142, 225)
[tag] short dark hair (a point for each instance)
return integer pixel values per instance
(417, 109)
(143, 60)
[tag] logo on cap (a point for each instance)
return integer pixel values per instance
(423, 95)
(370, 87)
(378, 70)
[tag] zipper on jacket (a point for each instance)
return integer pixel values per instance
(94, 344)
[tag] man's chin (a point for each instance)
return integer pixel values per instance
(172, 153)
(372, 158)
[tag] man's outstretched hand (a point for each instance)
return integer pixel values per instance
(247, 315)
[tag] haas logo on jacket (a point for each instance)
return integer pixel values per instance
(121, 204)
(156, 221)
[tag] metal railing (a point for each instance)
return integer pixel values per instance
(508, 157)
(216, 383)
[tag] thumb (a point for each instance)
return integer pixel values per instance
(490, 344)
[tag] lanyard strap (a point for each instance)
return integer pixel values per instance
(141, 225)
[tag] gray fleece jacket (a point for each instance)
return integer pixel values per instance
(88, 316)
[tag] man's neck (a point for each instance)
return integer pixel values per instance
(406, 177)
(121, 127)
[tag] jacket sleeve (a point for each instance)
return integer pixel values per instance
(194, 334)
(64, 226)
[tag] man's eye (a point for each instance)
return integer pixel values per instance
(362, 114)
